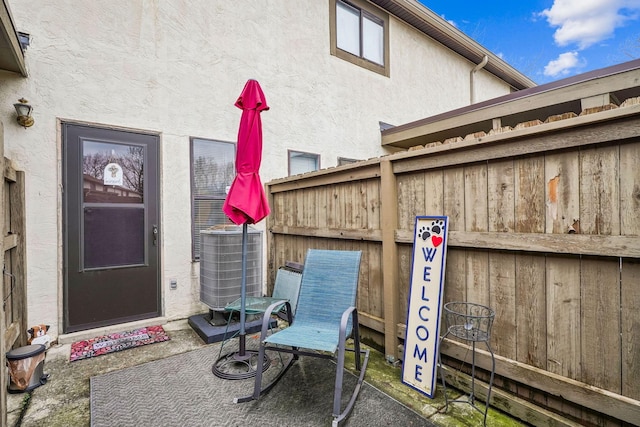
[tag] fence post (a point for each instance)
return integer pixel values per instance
(389, 223)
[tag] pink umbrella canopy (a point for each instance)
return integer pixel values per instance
(246, 202)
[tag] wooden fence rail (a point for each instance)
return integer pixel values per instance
(544, 227)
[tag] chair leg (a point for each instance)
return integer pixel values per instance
(337, 394)
(337, 397)
(347, 410)
(258, 389)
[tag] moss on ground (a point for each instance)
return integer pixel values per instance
(388, 378)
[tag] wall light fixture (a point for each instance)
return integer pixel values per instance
(24, 112)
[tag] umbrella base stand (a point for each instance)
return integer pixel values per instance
(236, 366)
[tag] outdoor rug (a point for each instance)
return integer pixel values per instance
(182, 391)
(117, 342)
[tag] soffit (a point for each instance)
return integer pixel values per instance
(11, 55)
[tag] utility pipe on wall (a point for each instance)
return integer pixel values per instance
(477, 68)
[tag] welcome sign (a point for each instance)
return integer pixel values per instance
(425, 303)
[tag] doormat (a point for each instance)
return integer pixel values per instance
(116, 342)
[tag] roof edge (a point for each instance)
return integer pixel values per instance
(9, 35)
(558, 84)
(421, 17)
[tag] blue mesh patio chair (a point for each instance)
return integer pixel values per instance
(326, 317)
(286, 289)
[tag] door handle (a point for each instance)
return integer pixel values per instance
(155, 235)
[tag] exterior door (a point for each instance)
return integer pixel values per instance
(111, 226)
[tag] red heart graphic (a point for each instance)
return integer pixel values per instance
(436, 240)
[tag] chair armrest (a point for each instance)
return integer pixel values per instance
(345, 320)
(266, 317)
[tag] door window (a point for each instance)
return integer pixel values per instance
(113, 204)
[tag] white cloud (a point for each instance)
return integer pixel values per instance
(586, 22)
(449, 21)
(563, 65)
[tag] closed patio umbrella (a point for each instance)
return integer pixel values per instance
(246, 202)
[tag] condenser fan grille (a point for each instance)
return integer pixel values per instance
(221, 265)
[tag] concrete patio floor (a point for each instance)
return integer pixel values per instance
(64, 401)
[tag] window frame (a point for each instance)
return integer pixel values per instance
(194, 198)
(306, 154)
(372, 13)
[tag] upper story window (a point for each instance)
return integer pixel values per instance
(360, 34)
(301, 162)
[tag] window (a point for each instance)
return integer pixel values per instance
(300, 162)
(360, 34)
(346, 161)
(212, 172)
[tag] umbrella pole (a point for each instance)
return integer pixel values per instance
(242, 364)
(243, 291)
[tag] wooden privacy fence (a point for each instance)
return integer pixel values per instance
(13, 318)
(544, 227)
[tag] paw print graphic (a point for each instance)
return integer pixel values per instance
(424, 233)
(437, 226)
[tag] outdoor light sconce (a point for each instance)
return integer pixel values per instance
(24, 113)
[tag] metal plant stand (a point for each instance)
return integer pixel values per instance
(469, 322)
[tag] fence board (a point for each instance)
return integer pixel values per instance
(300, 209)
(529, 195)
(455, 274)
(599, 191)
(410, 199)
(341, 206)
(531, 317)
(360, 213)
(563, 316)
(7, 291)
(475, 198)
(562, 195)
(501, 211)
(455, 288)
(453, 198)
(365, 271)
(434, 193)
(476, 219)
(563, 322)
(321, 201)
(373, 204)
(530, 294)
(630, 328)
(530, 277)
(630, 189)
(502, 300)
(376, 302)
(501, 196)
(277, 215)
(630, 288)
(405, 253)
(600, 320)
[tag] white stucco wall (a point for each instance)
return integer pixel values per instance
(177, 67)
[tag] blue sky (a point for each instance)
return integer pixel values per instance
(551, 39)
